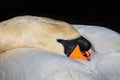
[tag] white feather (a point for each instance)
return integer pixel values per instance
(33, 64)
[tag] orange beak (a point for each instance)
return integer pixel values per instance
(78, 54)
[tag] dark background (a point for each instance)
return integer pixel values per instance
(100, 13)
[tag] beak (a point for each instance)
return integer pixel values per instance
(79, 54)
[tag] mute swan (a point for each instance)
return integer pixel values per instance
(32, 63)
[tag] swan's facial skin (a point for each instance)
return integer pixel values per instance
(35, 32)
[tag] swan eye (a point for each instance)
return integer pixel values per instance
(59, 40)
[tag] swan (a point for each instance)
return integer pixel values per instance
(26, 56)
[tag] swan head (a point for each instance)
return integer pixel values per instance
(43, 33)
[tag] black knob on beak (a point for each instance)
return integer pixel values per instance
(85, 45)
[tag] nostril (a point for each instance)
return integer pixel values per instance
(84, 43)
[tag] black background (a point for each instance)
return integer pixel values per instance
(100, 13)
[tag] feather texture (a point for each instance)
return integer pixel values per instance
(36, 64)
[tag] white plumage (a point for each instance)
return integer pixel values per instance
(105, 60)
(35, 64)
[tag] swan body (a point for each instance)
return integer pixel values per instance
(40, 65)
(105, 58)
(32, 63)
